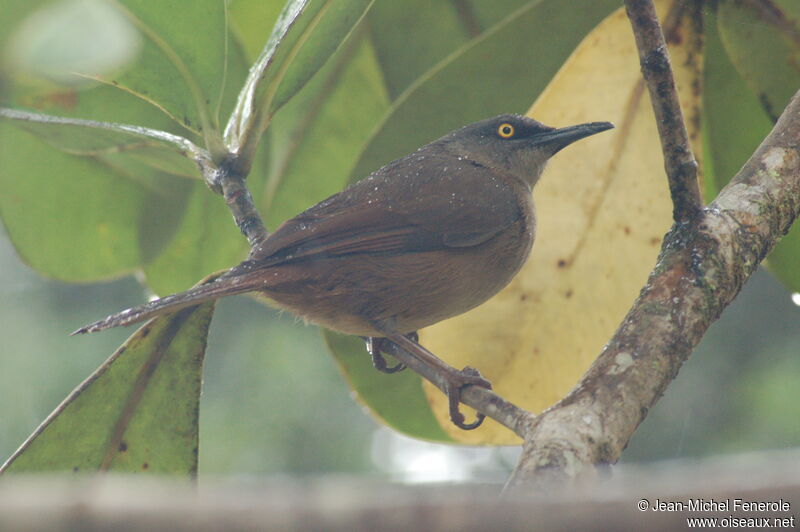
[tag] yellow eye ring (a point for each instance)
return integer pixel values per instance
(506, 130)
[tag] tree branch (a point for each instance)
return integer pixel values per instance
(230, 181)
(481, 399)
(702, 266)
(679, 162)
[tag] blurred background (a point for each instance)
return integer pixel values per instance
(274, 402)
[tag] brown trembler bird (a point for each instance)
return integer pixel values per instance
(427, 237)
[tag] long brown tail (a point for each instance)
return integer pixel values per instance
(225, 286)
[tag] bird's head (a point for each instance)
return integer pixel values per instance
(516, 143)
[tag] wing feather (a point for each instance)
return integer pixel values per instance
(402, 208)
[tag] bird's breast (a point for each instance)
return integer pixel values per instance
(411, 290)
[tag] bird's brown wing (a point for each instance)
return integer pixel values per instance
(355, 230)
(419, 217)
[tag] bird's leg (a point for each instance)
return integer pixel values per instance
(375, 347)
(452, 380)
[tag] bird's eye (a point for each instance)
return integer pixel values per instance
(505, 130)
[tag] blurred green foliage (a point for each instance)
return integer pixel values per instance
(273, 400)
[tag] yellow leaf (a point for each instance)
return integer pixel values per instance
(603, 206)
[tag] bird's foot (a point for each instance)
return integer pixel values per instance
(456, 381)
(376, 348)
(450, 380)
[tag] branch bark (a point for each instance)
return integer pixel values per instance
(679, 161)
(481, 399)
(703, 265)
(230, 181)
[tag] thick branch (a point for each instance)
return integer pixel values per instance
(679, 162)
(702, 267)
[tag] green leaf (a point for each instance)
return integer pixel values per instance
(181, 73)
(316, 42)
(735, 123)
(68, 217)
(485, 77)
(114, 209)
(763, 42)
(438, 30)
(137, 413)
(306, 34)
(248, 19)
(205, 241)
(84, 210)
(82, 218)
(182, 76)
(487, 14)
(315, 139)
(396, 399)
(250, 116)
(12, 13)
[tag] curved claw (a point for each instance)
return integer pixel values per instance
(458, 418)
(380, 364)
(378, 361)
(466, 377)
(452, 380)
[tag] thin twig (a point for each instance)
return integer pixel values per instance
(679, 162)
(702, 267)
(481, 399)
(229, 181)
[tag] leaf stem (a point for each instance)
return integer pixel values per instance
(240, 125)
(182, 145)
(244, 143)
